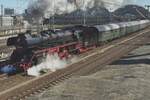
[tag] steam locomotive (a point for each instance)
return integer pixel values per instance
(64, 42)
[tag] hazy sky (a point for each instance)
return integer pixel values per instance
(17, 4)
(22, 4)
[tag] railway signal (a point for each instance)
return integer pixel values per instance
(147, 7)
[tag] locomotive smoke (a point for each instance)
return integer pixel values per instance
(51, 63)
(46, 8)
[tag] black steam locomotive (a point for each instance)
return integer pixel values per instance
(66, 41)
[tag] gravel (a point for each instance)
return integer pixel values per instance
(126, 79)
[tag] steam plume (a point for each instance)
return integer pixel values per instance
(51, 63)
(46, 8)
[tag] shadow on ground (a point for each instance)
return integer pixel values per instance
(131, 62)
(133, 56)
(133, 59)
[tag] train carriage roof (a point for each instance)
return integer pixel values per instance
(144, 21)
(109, 27)
(121, 25)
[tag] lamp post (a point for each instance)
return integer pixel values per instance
(84, 14)
(53, 19)
(1, 15)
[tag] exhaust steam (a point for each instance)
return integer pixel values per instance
(52, 63)
(39, 9)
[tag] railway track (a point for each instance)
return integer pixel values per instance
(7, 82)
(96, 60)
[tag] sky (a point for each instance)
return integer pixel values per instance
(20, 5)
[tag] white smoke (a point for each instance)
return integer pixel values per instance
(46, 8)
(26, 24)
(51, 63)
